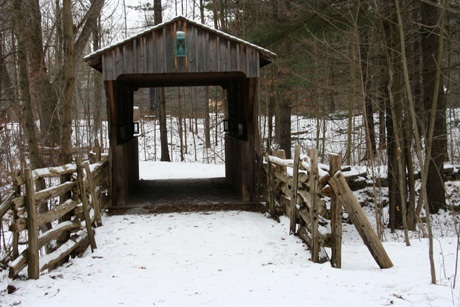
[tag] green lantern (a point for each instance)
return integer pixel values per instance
(181, 44)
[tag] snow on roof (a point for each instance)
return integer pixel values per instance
(208, 28)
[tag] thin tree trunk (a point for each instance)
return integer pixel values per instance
(423, 162)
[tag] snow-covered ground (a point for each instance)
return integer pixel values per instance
(235, 259)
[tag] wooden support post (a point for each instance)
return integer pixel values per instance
(271, 201)
(32, 229)
(94, 200)
(295, 176)
(313, 182)
(336, 216)
(84, 200)
(357, 216)
(98, 151)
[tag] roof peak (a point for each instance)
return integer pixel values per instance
(267, 52)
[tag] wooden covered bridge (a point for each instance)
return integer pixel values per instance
(182, 52)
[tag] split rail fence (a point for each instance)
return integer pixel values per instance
(57, 221)
(293, 189)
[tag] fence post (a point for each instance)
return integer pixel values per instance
(313, 181)
(271, 201)
(336, 216)
(94, 200)
(84, 200)
(358, 217)
(33, 271)
(295, 177)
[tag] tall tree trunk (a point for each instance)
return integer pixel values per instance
(431, 95)
(158, 18)
(24, 85)
(283, 123)
(69, 84)
(97, 84)
(368, 103)
(43, 95)
(393, 99)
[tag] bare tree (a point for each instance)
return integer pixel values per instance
(158, 18)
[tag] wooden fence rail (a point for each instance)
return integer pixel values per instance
(73, 197)
(296, 194)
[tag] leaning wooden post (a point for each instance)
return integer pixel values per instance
(359, 219)
(33, 270)
(295, 183)
(336, 216)
(313, 182)
(84, 200)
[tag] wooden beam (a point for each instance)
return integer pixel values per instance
(313, 182)
(359, 219)
(336, 216)
(294, 187)
(84, 199)
(92, 190)
(32, 229)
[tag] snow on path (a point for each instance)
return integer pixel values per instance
(228, 259)
(234, 259)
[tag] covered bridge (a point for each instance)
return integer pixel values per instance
(182, 52)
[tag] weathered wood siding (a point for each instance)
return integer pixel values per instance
(154, 53)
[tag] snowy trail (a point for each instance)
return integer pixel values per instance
(235, 259)
(227, 259)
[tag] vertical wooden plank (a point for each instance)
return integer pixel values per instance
(188, 55)
(336, 216)
(174, 37)
(113, 54)
(197, 57)
(313, 181)
(145, 68)
(248, 57)
(238, 64)
(271, 201)
(257, 64)
(32, 229)
(124, 58)
(135, 56)
(151, 45)
(92, 190)
(295, 177)
(217, 54)
(228, 66)
(165, 54)
(84, 199)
